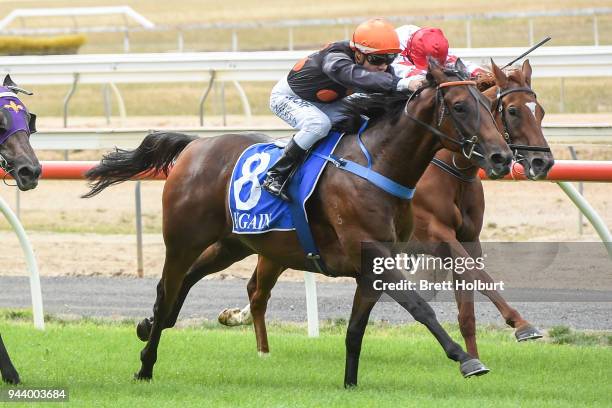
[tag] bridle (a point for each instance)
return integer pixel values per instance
(467, 144)
(499, 107)
(516, 148)
(4, 165)
(29, 126)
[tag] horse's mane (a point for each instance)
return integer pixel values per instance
(379, 106)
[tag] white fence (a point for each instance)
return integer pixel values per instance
(113, 69)
(21, 14)
(348, 25)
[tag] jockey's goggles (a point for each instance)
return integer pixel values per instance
(380, 59)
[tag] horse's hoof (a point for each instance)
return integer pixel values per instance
(230, 317)
(140, 376)
(12, 378)
(473, 367)
(263, 354)
(527, 332)
(143, 330)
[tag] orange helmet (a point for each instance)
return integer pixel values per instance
(427, 41)
(375, 36)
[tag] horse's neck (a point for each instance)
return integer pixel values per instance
(403, 151)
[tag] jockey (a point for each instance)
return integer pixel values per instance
(309, 97)
(417, 44)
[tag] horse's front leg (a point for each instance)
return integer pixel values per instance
(444, 244)
(523, 329)
(363, 302)
(8, 371)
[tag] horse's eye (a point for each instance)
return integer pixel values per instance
(459, 107)
(513, 111)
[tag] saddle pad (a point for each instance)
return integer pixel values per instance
(253, 209)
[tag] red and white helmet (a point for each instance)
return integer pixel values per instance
(427, 41)
(375, 36)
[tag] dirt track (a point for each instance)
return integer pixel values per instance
(515, 212)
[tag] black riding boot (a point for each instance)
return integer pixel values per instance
(280, 173)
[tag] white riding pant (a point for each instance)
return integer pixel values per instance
(313, 120)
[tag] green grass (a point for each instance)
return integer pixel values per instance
(565, 335)
(211, 366)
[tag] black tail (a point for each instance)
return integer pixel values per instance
(156, 153)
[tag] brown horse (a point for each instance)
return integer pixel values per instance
(455, 216)
(197, 225)
(17, 158)
(449, 205)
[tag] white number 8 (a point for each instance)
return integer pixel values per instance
(250, 176)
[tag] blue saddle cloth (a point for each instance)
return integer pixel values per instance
(253, 209)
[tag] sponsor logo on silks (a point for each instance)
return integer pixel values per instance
(257, 222)
(14, 106)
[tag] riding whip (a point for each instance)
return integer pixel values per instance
(527, 52)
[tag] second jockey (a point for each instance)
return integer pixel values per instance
(417, 44)
(309, 97)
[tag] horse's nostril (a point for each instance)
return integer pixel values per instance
(499, 158)
(29, 172)
(537, 163)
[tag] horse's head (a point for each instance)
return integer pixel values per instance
(16, 124)
(464, 118)
(518, 113)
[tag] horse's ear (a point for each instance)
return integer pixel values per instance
(501, 80)
(460, 66)
(8, 81)
(526, 68)
(435, 70)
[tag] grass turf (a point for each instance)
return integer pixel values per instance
(211, 366)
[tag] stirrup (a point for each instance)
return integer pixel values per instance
(270, 187)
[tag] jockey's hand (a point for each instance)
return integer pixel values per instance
(484, 80)
(410, 84)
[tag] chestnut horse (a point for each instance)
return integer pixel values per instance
(449, 205)
(197, 224)
(457, 220)
(17, 158)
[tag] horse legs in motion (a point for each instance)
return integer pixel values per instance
(364, 300)
(196, 215)
(465, 304)
(267, 272)
(9, 374)
(215, 258)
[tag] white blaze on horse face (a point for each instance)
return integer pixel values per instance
(532, 107)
